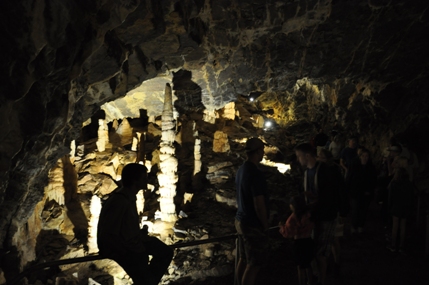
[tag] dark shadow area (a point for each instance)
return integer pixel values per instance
(91, 131)
(50, 246)
(188, 92)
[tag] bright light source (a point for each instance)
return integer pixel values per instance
(268, 124)
(251, 99)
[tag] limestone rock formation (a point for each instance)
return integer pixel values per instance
(220, 142)
(167, 177)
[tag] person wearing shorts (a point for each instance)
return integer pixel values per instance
(251, 220)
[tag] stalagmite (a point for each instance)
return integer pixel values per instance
(197, 150)
(95, 209)
(140, 202)
(134, 144)
(197, 156)
(103, 135)
(167, 176)
(125, 132)
(115, 124)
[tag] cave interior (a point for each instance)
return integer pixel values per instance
(180, 85)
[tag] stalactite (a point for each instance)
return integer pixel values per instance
(167, 176)
(55, 188)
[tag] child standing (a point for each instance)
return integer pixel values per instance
(299, 227)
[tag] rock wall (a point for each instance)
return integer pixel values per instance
(363, 63)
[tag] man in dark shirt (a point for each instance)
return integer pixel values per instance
(251, 220)
(321, 186)
(119, 235)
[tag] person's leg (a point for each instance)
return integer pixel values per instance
(403, 224)
(322, 264)
(136, 266)
(256, 251)
(239, 271)
(301, 276)
(395, 225)
(162, 255)
(336, 250)
(241, 252)
(309, 273)
(324, 233)
(249, 276)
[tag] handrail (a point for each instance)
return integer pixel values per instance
(98, 257)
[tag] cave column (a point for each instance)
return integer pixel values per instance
(167, 176)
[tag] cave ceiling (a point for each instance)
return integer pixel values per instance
(357, 61)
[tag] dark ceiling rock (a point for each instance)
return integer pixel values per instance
(363, 62)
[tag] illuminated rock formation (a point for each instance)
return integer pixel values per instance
(197, 156)
(125, 132)
(95, 209)
(167, 175)
(220, 142)
(229, 111)
(103, 135)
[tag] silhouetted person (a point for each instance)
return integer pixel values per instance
(321, 188)
(120, 237)
(401, 203)
(361, 182)
(251, 220)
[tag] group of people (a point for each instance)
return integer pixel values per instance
(332, 190)
(338, 183)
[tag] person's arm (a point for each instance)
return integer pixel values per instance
(289, 229)
(261, 210)
(343, 164)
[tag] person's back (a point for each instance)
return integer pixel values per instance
(118, 228)
(362, 178)
(250, 182)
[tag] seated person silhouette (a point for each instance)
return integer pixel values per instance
(120, 237)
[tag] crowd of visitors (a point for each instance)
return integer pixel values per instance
(340, 182)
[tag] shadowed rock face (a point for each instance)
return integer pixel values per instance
(364, 63)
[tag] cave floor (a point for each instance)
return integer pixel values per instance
(364, 259)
